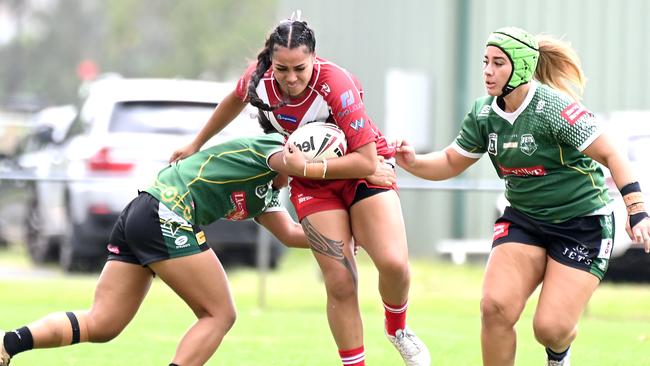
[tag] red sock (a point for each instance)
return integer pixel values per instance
(395, 317)
(353, 357)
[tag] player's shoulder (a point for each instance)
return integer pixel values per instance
(552, 97)
(482, 107)
(558, 105)
(334, 77)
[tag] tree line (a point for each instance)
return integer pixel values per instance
(206, 39)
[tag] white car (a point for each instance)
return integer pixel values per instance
(631, 135)
(123, 135)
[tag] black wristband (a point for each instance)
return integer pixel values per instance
(631, 188)
(637, 218)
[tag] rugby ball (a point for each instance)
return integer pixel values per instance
(319, 141)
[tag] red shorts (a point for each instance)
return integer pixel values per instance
(311, 196)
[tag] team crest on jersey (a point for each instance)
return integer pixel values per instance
(540, 106)
(527, 144)
(492, 143)
(262, 190)
(325, 89)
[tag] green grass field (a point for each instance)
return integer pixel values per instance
(291, 330)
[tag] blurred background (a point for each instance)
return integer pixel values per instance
(65, 117)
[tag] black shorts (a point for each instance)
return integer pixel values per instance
(363, 191)
(147, 231)
(584, 243)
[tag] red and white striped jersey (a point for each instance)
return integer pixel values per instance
(334, 95)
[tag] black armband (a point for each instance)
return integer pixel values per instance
(633, 199)
(637, 218)
(631, 188)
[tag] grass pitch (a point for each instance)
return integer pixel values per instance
(291, 328)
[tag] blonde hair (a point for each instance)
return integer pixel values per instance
(559, 66)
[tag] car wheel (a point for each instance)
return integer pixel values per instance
(40, 248)
(70, 258)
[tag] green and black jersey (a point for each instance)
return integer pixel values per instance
(231, 180)
(537, 150)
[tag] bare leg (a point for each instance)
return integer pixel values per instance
(513, 272)
(565, 294)
(118, 295)
(201, 282)
(330, 238)
(378, 225)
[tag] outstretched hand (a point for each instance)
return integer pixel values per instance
(405, 153)
(640, 233)
(183, 152)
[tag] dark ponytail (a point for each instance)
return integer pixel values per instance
(289, 34)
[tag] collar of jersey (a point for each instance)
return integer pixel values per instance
(511, 117)
(310, 86)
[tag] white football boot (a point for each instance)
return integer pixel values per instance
(413, 350)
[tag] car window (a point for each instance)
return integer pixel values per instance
(163, 117)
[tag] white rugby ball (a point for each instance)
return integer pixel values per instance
(319, 141)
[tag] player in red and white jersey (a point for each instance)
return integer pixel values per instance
(292, 86)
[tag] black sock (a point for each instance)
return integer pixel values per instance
(554, 356)
(18, 341)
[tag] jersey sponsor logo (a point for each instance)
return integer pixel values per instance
(527, 144)
(349, 110)
(537, 170)
(492, 143)
(573, 112)
(606, 246)
(510, 145)
(302, 198)
(325, 89)
(485, 111)
(239, 212)
(540, 106)
(358, 124)
(286, 117)
(181, 242)
(579, 253)
(500, 230)
(347, 98)
(113, 249)
(200, 237)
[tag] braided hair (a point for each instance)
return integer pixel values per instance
(290, 34)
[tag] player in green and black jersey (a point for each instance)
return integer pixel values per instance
(559, 227)
(157, 233)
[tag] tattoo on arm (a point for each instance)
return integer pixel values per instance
(327, 247)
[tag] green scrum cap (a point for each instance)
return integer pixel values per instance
(522, 50)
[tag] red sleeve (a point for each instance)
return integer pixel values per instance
(348, 109)
(242, 84)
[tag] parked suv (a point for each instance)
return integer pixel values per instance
(125, 131)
